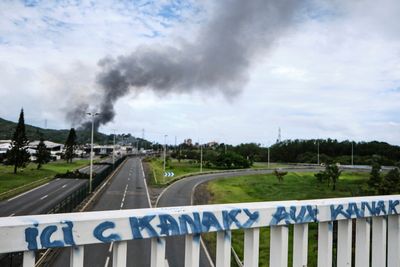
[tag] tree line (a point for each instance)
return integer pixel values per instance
(301, 151)
(331, 150)
(18, 154)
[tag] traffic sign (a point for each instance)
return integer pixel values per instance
(169, 174)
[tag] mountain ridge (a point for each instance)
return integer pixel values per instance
(7, 129)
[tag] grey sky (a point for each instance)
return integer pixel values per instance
(333, 70)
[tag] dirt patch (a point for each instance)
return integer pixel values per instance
(202, 196)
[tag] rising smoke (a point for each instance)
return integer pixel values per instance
(218, 60)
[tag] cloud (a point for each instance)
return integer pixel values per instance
(334, 74)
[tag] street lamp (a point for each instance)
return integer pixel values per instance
(165, 152)
(352, 154)
(91, 151)
(113, 156)
(201, 158)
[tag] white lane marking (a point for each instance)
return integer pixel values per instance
(123, 198)
(107, 260)
(141, 166)
(12, 214)
(64, 186)
(43, 197)
(57, 179)
(27, 192)
(145, 185)
(111, 246)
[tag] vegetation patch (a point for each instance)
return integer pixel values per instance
(179, 168)
(30, 174)
(266, 187)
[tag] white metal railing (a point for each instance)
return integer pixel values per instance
(378, 215)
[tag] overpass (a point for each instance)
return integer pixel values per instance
(368, 231)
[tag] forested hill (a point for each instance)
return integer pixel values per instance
(7, 129)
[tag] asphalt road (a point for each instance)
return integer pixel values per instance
(97, 168)
(180, 194)
(126, 190)
(40, 199)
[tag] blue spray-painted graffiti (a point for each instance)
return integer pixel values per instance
(306, 214)
(195, 223)
(201, 222)
(32, 233)
(98, 232)
(358, 210)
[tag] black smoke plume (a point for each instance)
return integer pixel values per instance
(217, 61)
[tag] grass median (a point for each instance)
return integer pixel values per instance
(296, 186)
(30, 177)
(172, 165)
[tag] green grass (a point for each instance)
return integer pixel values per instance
(179, 169)
(264, 165)
(32, 177)
(296, 186)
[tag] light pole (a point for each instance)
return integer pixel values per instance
(201, 158)
(91, 151)
(318, 152)
(113, 157)
(352, 154)
(165, 152)
(268, 157)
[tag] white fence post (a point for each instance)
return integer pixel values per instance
(158, 252)
(192, 250)
(393, 241)
(363, 233)
(224, 249)
(76, 256)
(378, 241)
(251, 246)
(29, 259)
(300, 245)
(119, 253)
(279, 246)
(325, 230)
(344, 243)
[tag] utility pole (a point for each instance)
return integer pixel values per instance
(318, 152)
(91, 151)
(165, 152)
(268, 157)
(113, 156)
(352, 154)
(175, 143)
(201, 158)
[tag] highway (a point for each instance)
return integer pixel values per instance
(180, 194)
(97, 168)
(40, 199)
(126, 190)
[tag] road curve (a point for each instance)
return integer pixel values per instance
(180, 194)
